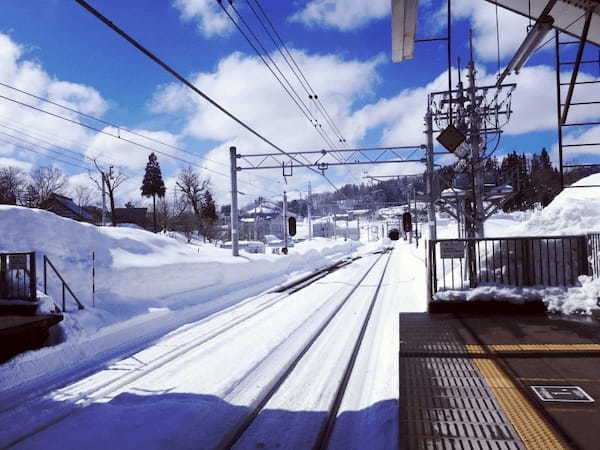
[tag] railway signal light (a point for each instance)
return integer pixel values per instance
(407, 222)
(292, 226)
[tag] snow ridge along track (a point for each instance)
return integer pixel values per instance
(235, 437)
(99, 389)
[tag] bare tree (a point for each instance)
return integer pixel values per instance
(82, 195)
(12, 184)
(112, 181)
(45, 181)
(171, 209)
(192, 188)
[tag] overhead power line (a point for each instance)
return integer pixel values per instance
(185, 81)
(283, 81)
(208, 169)
(114, 125)
(42, 154)
(296, 70)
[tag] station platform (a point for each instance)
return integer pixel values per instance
(499, 381)
(19, 333)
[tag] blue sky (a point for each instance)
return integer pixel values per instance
(344, 48)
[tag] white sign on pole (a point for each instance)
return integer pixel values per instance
(452, 249)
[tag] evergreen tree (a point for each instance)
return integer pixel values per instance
(209, 212)
(153, 183)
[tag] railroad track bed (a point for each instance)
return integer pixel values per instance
(281, 361)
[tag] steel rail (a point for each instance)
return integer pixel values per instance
(246, 421)
(87, 397)
(329, 425)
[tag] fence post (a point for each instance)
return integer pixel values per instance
(45, 277)
(583, 255)
(526, 264)
(3, 276)
(93, 279)
(32, 278)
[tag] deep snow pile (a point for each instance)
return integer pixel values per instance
(575, 210)
(138, 271)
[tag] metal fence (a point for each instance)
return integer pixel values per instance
(458, 264)
(18, 278)
(593, 242)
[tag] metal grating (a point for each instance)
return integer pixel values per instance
(445, 403)
(437, 336)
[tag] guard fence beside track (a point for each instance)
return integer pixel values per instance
(462, 264)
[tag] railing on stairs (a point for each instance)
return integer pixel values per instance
(17, 276)
(65, 286)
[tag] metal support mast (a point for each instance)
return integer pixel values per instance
(285, 222)
(309, 211)
(429, 178)
(476, 166)
(234, 203)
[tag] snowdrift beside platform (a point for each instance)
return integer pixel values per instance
(138, 271)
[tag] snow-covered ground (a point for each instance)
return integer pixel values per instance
(125, 381)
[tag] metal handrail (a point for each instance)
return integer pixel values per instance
(65, 285)
(514, 261)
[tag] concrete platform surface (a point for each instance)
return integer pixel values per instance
(499, 381)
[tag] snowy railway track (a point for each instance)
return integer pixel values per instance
(212, 327)
(248, 432)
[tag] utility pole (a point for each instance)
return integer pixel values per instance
(234, 203)
(416, 214)
(408, 204)
(103, 198)
(476, 169)
(285, 230)
(308, 206)
(431, 220)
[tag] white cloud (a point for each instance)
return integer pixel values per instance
(11, 162)
(119, 152)
(243, 85)
(30, 77)
(211, 20)
(513, 28)
(342, 14)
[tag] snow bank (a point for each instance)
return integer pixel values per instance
(137, 270)
(574, 211)
(572, 300)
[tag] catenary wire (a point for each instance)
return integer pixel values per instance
(303, 81)
(185, 81)
(118, 127)
(289, 89)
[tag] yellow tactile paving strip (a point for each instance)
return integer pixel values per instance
(479, 349)
(531, 427)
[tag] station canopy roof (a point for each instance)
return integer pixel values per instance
(569, 15)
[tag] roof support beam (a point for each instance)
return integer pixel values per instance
(586, 28)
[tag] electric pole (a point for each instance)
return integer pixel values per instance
(309, 211)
